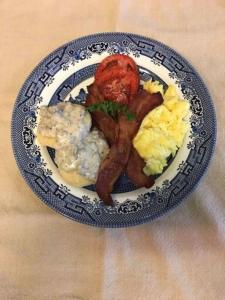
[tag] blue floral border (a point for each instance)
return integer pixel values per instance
(149, 205)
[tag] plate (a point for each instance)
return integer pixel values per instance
(64, 75)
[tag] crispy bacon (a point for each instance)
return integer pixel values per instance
(143, 103)
(116, 161)
(140, 106)
(122, 155)
(100, 119)
(94, 95)
(135, 172)
(106, 124)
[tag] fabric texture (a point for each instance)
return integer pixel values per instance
(43, 255)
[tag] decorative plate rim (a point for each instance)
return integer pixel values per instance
(146, 218)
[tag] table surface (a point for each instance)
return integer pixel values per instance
(46, 256)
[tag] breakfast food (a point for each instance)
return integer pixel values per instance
(79, 151)
(117, 159)
(62, 124)
(117, 78)
(163, 130)
(122, 127)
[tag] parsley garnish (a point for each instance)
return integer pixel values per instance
(112, 108)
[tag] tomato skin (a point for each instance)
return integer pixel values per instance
(116, 60)
(118, 78)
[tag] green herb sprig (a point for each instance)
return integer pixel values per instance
(113, 109)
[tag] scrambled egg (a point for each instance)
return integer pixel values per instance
(163, 130)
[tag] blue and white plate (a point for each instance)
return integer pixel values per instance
(64, 75)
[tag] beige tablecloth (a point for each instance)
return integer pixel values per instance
(46, 256)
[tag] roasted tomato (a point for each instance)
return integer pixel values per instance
(117, 78)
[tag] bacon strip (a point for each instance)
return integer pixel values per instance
(140, 106)
(106, 124)
(122, 156)
(135, 172)
(94, 95)
(116, 161)
(100, 119)
(143, 103)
